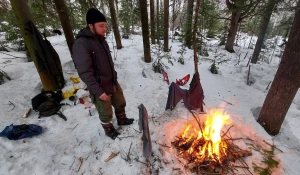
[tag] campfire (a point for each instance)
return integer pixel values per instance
(208, 149)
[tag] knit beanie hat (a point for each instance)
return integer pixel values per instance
(93, 16)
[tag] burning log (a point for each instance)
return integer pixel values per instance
(207, 151)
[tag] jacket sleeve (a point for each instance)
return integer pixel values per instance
(85, 67)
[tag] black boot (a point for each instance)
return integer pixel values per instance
(123, 120)
(110, 131)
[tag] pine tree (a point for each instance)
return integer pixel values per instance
(263, 29)
(145, 30)
(286, 83)
(114, 22)
(65, 22)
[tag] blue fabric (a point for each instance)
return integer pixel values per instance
(16, 132)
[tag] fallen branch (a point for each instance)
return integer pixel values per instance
(81, 161)
(268, 85)
(136, 159)
(248, 76)
(127, 157)
(124, 137)
(137, 130)
(72, 163)
(163, 145)
(198, 121)
(75, 126)
(11, 104)
(228, 102)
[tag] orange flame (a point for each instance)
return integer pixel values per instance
(211, 134)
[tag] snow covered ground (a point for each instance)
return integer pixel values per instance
(79, 145)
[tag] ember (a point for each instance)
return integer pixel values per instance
(206, 150)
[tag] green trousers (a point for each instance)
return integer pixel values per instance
(104, 108)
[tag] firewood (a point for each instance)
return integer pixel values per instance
(27, 112)
(112, 155)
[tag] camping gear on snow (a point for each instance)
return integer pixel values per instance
(84, 97)
(16, 132)
(143, 125)
(68, 93)
(166, 79)
(75, 79)
(183, 81)
(47, 103)
(192, 98)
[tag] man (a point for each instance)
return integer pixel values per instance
(95, 67)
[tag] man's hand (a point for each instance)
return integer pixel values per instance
(104, 97)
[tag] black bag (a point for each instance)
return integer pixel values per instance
(47, 103)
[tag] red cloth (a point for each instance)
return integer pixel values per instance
(192, 98)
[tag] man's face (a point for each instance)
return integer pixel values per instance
(99, 28)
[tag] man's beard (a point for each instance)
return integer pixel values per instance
(95, 32)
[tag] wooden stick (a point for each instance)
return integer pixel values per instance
(198, 121)
(75, 126)
(268, 85)
(136, 159)
(227, 131)
(72, 163)
(248, 76)
(81, 161)
(228, 102)
(12, 104)
(164, 145)
(112, 155)
(248, 61)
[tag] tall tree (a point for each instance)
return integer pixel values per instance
(194, 35)
(23, 17)
(152, 21)
(114, 22)
(157, 22)
(145, 30)
(263, 29)
(166, 25)
(286, 82)
(65, 22)
(240, 9)
(188, 24)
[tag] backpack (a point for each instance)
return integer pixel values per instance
(47, 103)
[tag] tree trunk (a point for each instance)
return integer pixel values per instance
(145, 30)
(157, 22)
(194, 36)
(65, 22)
(173, 20)
(115, 23)
(23, 16)
(152, 22)
(263, 29)
(286, 83)
(188, 24)
(166, 25)
(232, 31)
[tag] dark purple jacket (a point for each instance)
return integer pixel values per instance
(94, 63)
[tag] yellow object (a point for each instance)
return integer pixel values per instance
(69, 93)
(75, 79)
